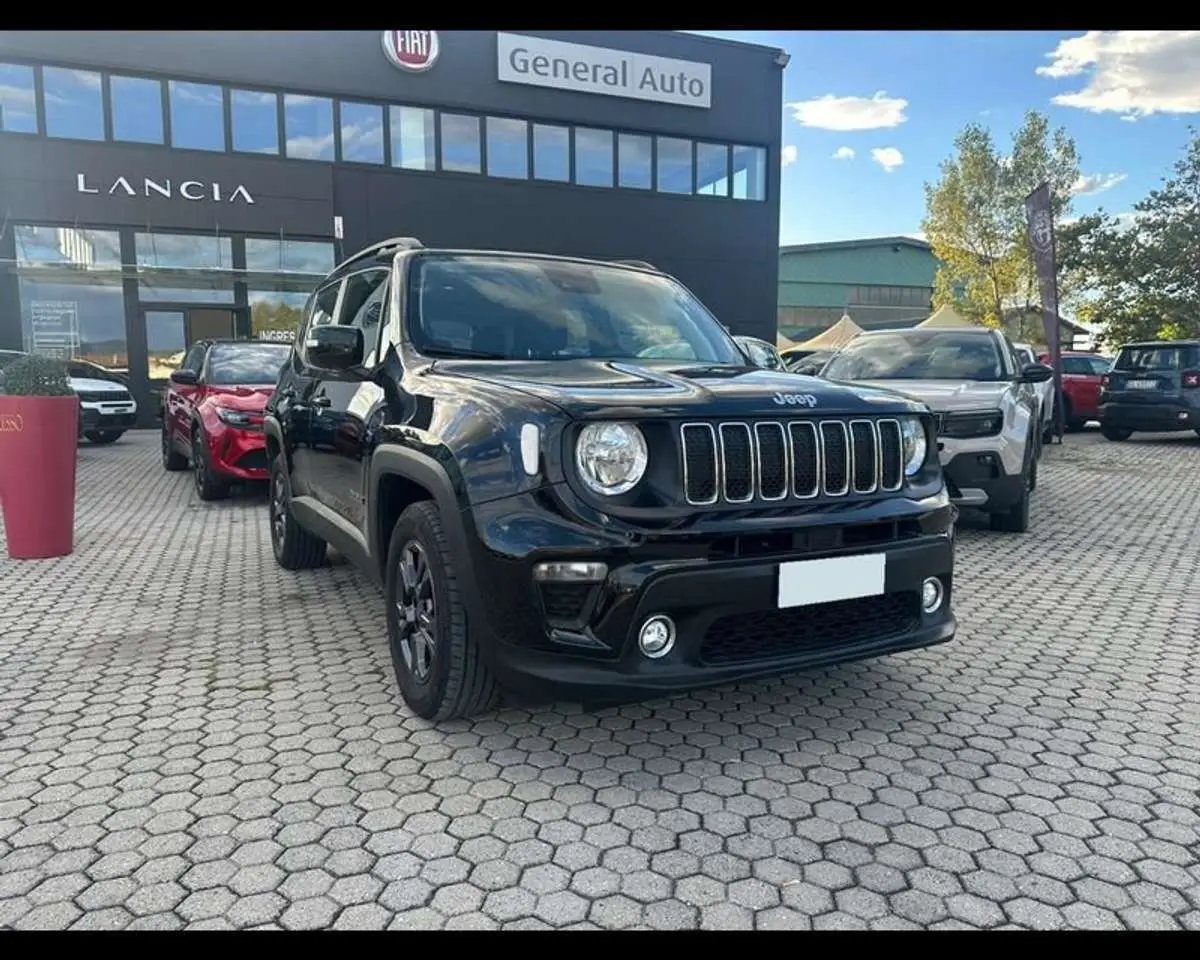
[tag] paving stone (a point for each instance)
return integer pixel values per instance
(1037, 772)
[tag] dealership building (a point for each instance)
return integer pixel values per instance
(158, 188)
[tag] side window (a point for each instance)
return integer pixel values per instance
(194, 360)
(362, 307)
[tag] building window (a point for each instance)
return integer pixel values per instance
(166, 342)
(74, 104)
(507, 148)
(308, 124)
(271, 255)
(551, 153)
(197, 116)
(255, 119)
(72, 247)
(634, 161)
(71, 318)
(460, 143)
(137, 109)
(412, 138)
(712, 169)
(593, 157)
(749, 173)
(276, 314)
(184, 267)
(361, 132)
(674, 165)
(18, 107)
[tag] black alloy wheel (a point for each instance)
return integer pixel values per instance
(416, 612)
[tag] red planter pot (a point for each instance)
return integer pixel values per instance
(38, 449)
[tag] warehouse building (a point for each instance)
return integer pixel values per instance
(156, 188)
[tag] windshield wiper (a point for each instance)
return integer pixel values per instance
(451, 353)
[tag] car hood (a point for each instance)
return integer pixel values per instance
(947, 396)
(253, 399)
(675, 389)
(88, 385)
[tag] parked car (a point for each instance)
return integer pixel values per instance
(106, 407)
(553, 507)
(1153, 387)
(1082, 375)
(986, 403)
(1027, 355)
(812, 363)
(761, 353)
(212, 414)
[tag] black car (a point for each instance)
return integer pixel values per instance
(1154, 387)
(569, 481)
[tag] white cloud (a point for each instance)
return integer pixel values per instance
(850, 113)
(887, 157)
(1134, 73)
(1096, 183)
(843, 153)
(789, 155)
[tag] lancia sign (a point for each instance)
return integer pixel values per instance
(411, 50)
(194, 190)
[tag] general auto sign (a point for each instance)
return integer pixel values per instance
(539, 62)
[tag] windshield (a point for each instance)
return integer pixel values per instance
(1180, 357)
(918, 355)
(249, 364)
(527, 308)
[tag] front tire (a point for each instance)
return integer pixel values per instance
(294, 547)
(439, 668)
(103, 437)
(208, 486)
(1116, 434)
(1016, 518)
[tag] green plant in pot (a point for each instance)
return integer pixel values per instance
(39, 427)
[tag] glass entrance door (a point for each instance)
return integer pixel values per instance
(209, 323)
(171, 330)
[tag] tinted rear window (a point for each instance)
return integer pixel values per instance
(1183, 357)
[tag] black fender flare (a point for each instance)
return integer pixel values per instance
(424, 470)
(274, 431)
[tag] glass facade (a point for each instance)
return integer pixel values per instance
(362, 132)
(551, 153)
(460, 143)
(255, 121)
(308, 122)
(413, 138)
(18, 99)
(197, 115)
(74, 102)
(635, 161)
(507, 148)
(136, 107)
(593, 157)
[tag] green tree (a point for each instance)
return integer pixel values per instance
(975, 216)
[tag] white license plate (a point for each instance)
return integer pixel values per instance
(1141, 384)
(805, 582)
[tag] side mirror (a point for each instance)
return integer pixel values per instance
(1036, 373)
(334, 347)
(184, 378)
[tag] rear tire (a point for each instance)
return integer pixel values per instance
(1116, 434)
(102, 437)
(294, 547)
(439, 668)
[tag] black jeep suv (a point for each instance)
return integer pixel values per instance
(569, 481)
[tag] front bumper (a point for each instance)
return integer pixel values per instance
(976, 479)
(1163, 417)
(238, 454)
(580, 640)
(107, 416)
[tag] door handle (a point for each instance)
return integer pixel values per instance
(321, 401)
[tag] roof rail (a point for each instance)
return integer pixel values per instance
(399, 243)
(637, 263)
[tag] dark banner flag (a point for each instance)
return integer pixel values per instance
(1041, 238)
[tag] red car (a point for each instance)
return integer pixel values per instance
(1082, 373)
(213, 412)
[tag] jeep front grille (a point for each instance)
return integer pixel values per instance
(739, 462)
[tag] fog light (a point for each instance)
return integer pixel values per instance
(932, 594)
(657, 637)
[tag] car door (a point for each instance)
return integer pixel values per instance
(179, 400)
(295, 397)
(1080, 372)
(344, 402)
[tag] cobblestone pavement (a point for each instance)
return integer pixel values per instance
(168, 759)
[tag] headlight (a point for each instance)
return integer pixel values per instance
(981, 423)
(611, 457)
(239, 418)
(912, 431)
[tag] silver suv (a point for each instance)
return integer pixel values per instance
(987, 404)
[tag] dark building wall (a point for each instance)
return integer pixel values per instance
(726, 251)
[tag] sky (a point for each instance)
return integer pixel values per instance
(869, 116)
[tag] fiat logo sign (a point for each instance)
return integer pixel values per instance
(412, 50)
